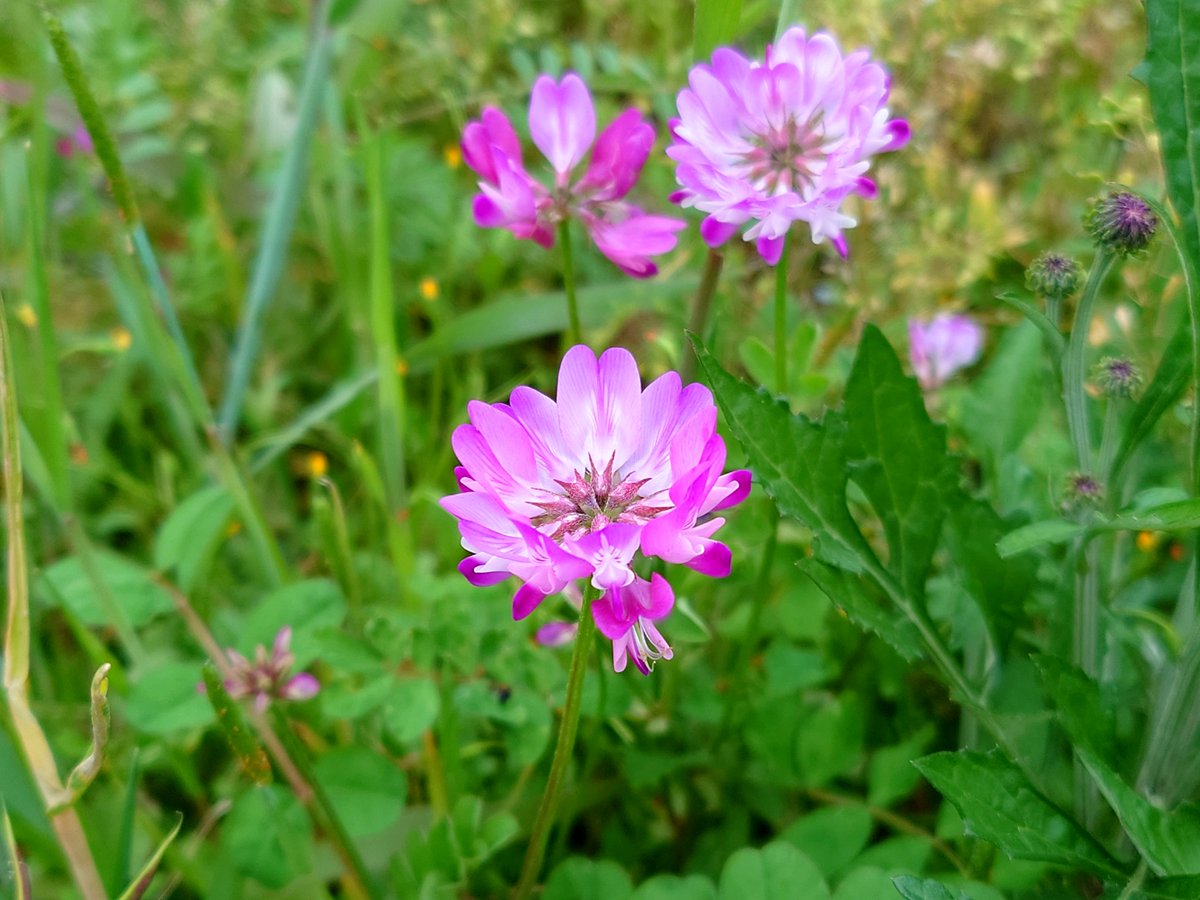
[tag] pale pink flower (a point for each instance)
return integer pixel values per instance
(267, 677)
(942, 346)
(582, 486)
(783, 140)
(562, 122)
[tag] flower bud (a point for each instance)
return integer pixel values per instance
(1053, 276)
(1118, 377)
(1082, 490)
(1122, 223)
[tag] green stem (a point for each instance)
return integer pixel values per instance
(562, 750)
(1073, 370)
(781, 362)
(1139, 875)
(574, 334)
(701, 307)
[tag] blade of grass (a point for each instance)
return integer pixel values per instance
(277, 227)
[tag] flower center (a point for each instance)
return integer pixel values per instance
(785, 159)
(594, 500)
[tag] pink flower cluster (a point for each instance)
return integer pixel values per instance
(562, 122)
(942, 346)
(783, 140)
(553, 491)
(269, 678)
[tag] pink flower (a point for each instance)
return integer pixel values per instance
(583, 486)
(942, 347)
(562, 122)
(780, 141)
(266, 678)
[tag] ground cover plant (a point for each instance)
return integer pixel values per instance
(717, 450)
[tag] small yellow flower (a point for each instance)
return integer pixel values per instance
(1147, 541)
(26, 316)
(121, 338)
(429, 288)
(452, 155)
(234, 528)
(317, 464)
(401, 367)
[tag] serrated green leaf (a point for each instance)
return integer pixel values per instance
(912, 888)
(1169, 841)
(191, 534)
(777, 870)
(800, 464)
(999, 805)
(1038, 534)
(865, 606)
(898, 457)
(1088, 721)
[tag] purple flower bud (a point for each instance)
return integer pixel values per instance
(1082, 490)
(1118, 377)
(1122, 223)
(1053, 276)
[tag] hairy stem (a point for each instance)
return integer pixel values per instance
(563, 749)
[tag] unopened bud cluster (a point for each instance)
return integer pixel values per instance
(1118, 376)
(1122, 223)
(1053, 276)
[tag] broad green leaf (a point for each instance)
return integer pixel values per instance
(716, 24)
(905, 853)
(898, 457)
(999, 805)
(305, 607)
(191, 534)
(831, 837)
(168, 699)
(1004, 402)
(830, 740)
(1169, 841)
(367, 789)
(800, 464)
(676, 887)
(1172, 75)
(891, 774)
(1087, 719)
(411, 709)
(127, 583)
(1027, 537)
(1186, 888)
(577, 878)
(1178, 515)
(790, 669)
(268, 836)
(865, 606)
(912, 888)
(777, 870)
(866, 883)
(1164, 390)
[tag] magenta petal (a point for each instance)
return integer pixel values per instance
(557, 634)
(742, 480)
(301, 687)
(562, 121)
(618, 157)
(469, 568)
(609, 615)
(770, 249)
(715, 232)
(526, 600)
(660, 597)
(716, 561)
(899, 133)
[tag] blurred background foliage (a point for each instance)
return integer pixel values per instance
(798, 727)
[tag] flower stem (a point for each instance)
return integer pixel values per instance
(701, 307)
(781, 276)
(574, 333)
(562, 750)
(1073, 374)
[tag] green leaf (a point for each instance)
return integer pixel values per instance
(676, 887)
(14, 865)
(129, 585)
(191, 534)
(866, 883)
(911, 888)
(1164, 390)
(249, 752)
(831, 837)
(898, 457)
(1169, 841)
(830, 740)
(305, 606)
(1178, 515)
(1172, 75)
(577, 878)
(168, 699)
(1027, 537)
(367, 790)
(800, 464)
(412, 709)
(891, 774)
(1003, 403)
(1187, 888)
(1087, 719)
(777, 870)
(268, 836)
(716, 24)
(142, 882)
(999, 805)
(865, 606)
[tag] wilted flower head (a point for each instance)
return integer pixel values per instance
(783, 140)
(266, 678)
(942, 346)
(1122, 223)
(562, 122)
(1053, 276)
(558, 490)
(1118, 376)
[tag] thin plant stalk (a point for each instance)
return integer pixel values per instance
(574, 333)
(1074, 396)
(781, 360)
(563, 749)
(31, 737)
(702, 307)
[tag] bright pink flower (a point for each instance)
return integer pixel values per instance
(942, 347)
(266, 678)
(558, 490)
(783, 140)
(562, 122)
(627, 618)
